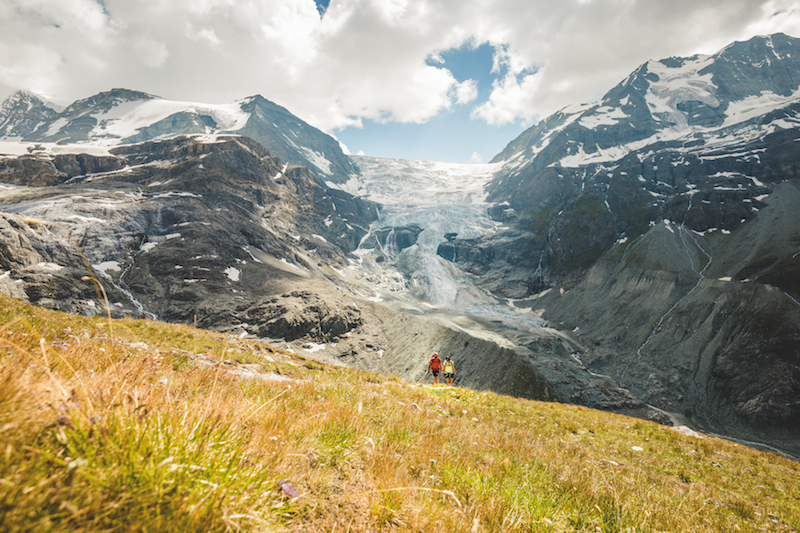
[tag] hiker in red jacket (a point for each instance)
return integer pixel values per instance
(434, 366)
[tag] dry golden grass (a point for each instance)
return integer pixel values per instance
(145, 426)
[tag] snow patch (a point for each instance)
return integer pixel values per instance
(755, 106)
(602, 116)
(169, 194)
(126, 119)
(312, 347)
(105, 266)
(317, 159)
(287, 263)
(86, 219)
(49, 266)
(233, 273)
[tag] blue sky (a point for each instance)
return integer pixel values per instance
(453, 135)
(322, 5)
(445, 80)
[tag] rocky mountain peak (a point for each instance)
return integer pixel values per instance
(292, 139)
(105, 101)
(22, 112)
(22, 99)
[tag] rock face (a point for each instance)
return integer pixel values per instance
(181, 229)
(660, 225)
(22, 112)
(303, 313)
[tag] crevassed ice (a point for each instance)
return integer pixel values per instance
(680, 84)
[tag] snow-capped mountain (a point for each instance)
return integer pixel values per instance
(697, 140)
(122, 116)
(700, 99)
(22, 113)
(661, 226)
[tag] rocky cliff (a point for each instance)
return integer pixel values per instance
(173, 227)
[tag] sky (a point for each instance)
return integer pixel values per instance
(443, 80)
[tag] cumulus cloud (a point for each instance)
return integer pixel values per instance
(466, 91)
(363, 59)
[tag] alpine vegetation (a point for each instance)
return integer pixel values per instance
(143, 425)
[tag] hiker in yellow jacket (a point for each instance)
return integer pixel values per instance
(449, 371)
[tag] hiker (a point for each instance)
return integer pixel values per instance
(434, 366)
(449, 371)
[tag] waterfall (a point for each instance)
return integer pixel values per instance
(391, 249)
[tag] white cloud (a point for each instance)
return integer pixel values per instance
(466, 91)
(152, 53)
(511, 98)
(207, 35)
(475, 158)
(365, 59)
(777, 16)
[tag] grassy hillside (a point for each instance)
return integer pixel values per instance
(143, 426)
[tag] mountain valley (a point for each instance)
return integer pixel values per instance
(636, 254)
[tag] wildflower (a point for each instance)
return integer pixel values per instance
(288, 489)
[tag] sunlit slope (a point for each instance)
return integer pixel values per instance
(140, 425)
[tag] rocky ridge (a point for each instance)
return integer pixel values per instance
(157, 218)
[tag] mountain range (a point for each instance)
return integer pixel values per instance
(636, 254)
(122, 116)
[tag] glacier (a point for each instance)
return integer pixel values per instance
(442, 199)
